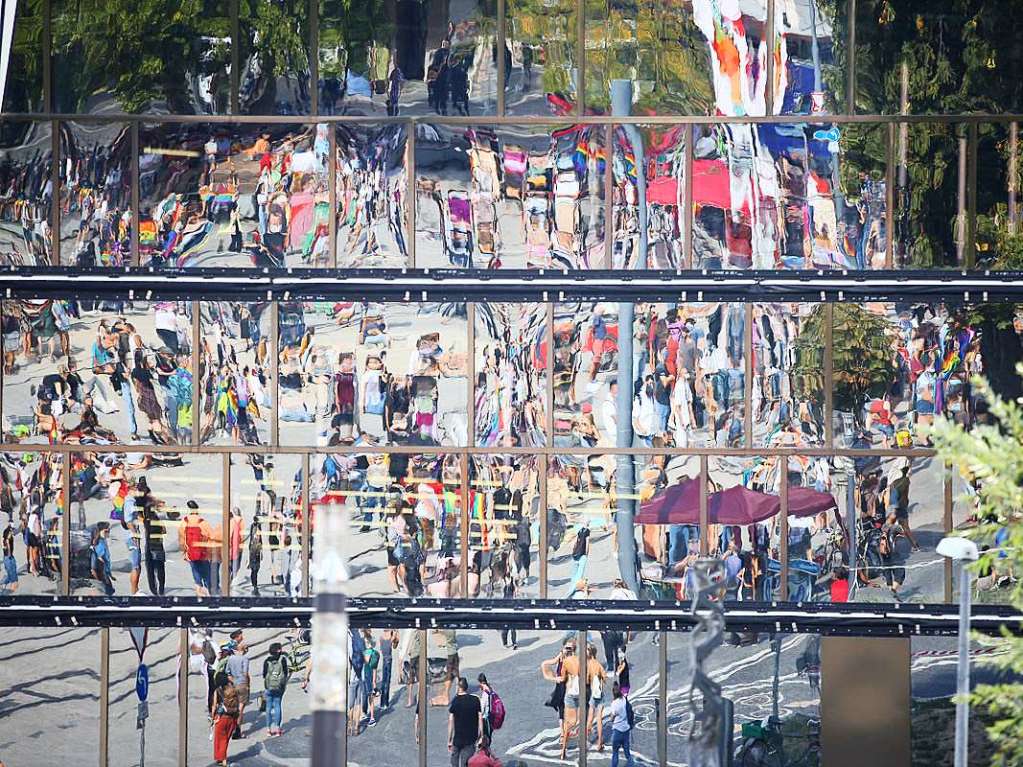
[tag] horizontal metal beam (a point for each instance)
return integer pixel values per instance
(508, 285)
(852, 619)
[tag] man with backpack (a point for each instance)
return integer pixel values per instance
(622, 721)
(275, 682)
(193, 539)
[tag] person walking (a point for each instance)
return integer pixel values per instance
(275, 682)
(237, 668)
(484, 696)
(465, 723)
(255, 554)
(99, 559)
(193, 539)
(10, 584)
(388, 644)
(596, 683)
(153, 532)
(224, 712)
(621, 728)
(370, 663)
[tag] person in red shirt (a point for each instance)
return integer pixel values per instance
(840, 585)
(484, 757)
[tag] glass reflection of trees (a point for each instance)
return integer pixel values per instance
(372, 373)
(216, 195)
(98, 372)
(26, 194)
(95, 194)
(540, 57)
(274, 54)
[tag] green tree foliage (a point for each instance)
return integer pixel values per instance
(991, 456)
(864, 363)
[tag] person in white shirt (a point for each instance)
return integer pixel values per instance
(620, 728)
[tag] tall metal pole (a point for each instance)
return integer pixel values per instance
(963, 669)
(329, 702)
(621, 106)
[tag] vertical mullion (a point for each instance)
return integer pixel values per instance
(584, 694)
(971, 197)
(747, 343)
(609, 198)
(662, 700)
(962, 144)
(55, 186)
(687, 199)
(332, 194)
(464, 517)
(236, 38)
(136, 257)
(829, 376)
(889, 199)
(549, 388)
(1013, 174)
(544, 463)
(196, 373)
(314, 56)
(471, 383)
(411, 198)
(65, 525)
(225, 527)
(850, 48)
(580, 56)
(769, 40)
(47, 45)
(104, 696)
(704, 526)
(307, 513)
(783, 533)
(275, 351)
(948, 523)
(500, 43)
(424, 691)
(183, 698)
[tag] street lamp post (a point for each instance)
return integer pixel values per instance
(329, 659)
(963, 551)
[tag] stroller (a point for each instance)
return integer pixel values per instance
(459, 240)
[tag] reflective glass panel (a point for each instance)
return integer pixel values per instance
(155, 542)
(274, 54)
(371, 373)
(164, 57)
(372, 193)
(95, 194)
(31, 485)
(236, 387)
(246, 195)
(404, 512)
(24, 87)
(93, 371)
(26, 179)
(511, 380)
(929, 233)
(541, 57)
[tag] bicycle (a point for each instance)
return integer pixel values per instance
(297, 650)
(766, 745)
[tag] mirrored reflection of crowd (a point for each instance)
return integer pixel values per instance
(510, 375)
(26, 198)
(489, 199)
(235, 374)
(373, 374)
(372, 193)
(30, 486)
(95, 198)
(97, 372)
(765, 197)
(689, 368)
(214, 197)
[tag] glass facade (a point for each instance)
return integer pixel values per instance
(823, 189)
(490, 447)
